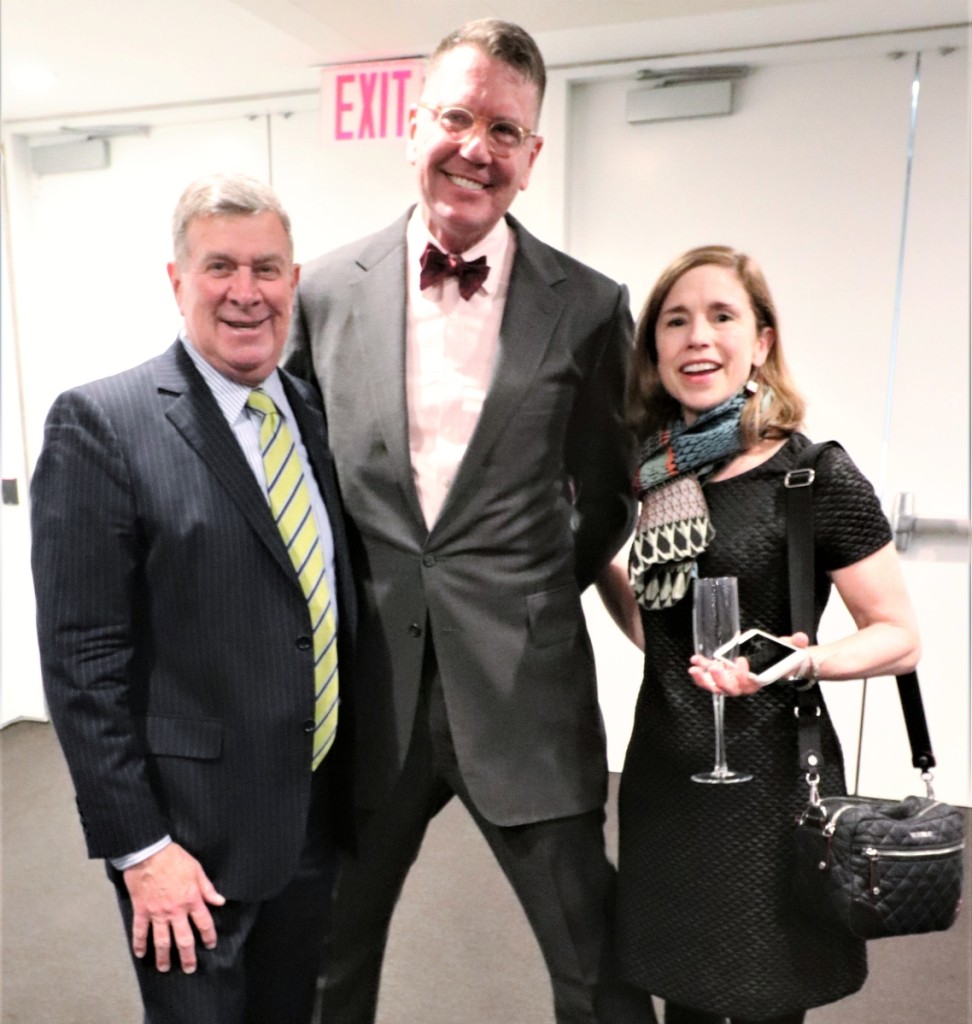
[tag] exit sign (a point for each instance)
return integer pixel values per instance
(369, 102)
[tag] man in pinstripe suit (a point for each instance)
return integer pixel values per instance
(176, 640)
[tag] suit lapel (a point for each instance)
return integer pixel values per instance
(193, 411)
(310, 420)
(533, 309)
(378, 328)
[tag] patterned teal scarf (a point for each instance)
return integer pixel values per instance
(673, 528)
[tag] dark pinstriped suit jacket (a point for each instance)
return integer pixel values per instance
(172, 627)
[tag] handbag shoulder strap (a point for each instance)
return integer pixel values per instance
(799, 535)
(799, 529)
(909, 693)
(800, 555)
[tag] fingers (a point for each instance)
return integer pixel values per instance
(174, 929)
(163, 946)
(717, 676)
(708, 673)
(165, 929)
(702, 678)
(208, 891)
(142, 924)
(140, 930)
(201, 916)
(170, 893)
(185, 942)
(203, 921)
(170, 929)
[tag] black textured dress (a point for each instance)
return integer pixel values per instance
(705, 915)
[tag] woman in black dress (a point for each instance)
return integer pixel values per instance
(705, 918)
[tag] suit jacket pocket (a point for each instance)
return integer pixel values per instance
(198, 738)
(554, 615)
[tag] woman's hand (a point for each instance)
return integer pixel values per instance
(734, 679)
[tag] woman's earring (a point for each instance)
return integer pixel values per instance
(752, 385)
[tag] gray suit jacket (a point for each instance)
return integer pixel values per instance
(174, 635)
(540, 502)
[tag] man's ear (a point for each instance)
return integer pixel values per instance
(412, 125)
(175, 278)
(537, 145)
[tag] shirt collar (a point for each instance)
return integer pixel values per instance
(230, 395)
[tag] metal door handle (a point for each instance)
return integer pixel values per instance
(905, 524)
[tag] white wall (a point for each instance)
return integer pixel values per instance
(807, 174)
(19, 663)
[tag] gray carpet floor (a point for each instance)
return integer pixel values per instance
(460, 950)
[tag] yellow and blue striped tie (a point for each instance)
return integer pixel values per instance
(291, 508)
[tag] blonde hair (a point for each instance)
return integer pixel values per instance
(775, 411)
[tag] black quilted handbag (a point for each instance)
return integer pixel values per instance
(867, 866)
(877, 868)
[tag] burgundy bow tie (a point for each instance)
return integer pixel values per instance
(436, 266)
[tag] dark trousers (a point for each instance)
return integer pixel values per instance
(558, 869)
(267, 957)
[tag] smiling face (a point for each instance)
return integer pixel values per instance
(466, 188)
(707, 339)
(234, 285)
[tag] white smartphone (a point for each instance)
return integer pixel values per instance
(769, 657)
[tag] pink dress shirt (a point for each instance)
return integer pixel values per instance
(451, 345)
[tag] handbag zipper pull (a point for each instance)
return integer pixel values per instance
(828, 834)
(824, 865)
(872, 872)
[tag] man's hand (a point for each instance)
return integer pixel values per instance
(168, 890)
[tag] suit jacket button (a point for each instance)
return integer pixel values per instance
(304, 643)
(415, 629)
(428, 561)
(309, 725)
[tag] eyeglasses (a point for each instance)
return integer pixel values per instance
(502, 136)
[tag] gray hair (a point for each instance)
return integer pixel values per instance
(223, 195)
(501, 40)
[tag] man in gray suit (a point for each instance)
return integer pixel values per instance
(472, 377)
(181, 641)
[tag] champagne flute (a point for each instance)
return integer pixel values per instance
(715, 622)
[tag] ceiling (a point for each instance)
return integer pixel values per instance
(111, 56)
